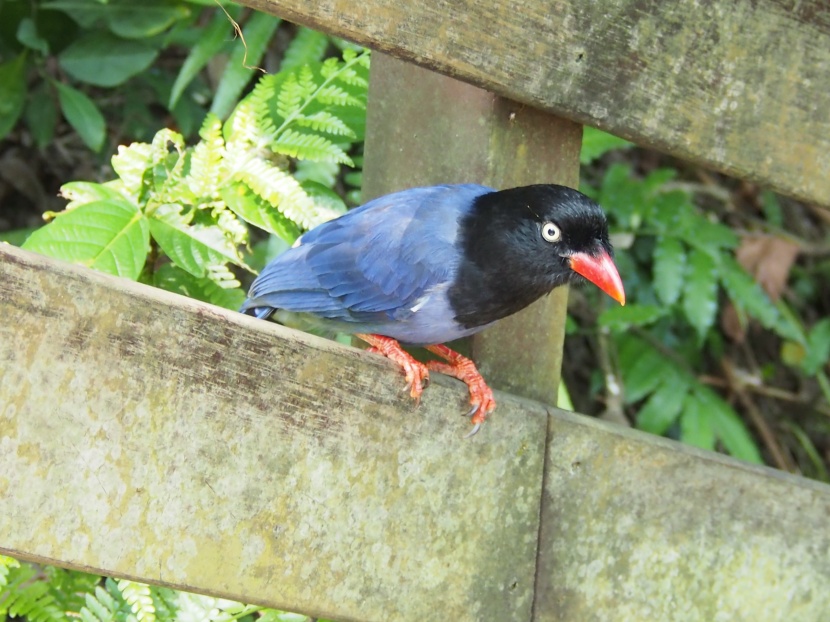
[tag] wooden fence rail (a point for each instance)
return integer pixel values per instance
(738, 85)
(150, 436)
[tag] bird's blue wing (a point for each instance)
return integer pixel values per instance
(372, 264)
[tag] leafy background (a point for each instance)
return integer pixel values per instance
(194, 167)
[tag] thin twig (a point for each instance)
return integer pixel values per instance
(737, 386)
(614, 399)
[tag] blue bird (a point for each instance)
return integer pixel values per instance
(429, 265)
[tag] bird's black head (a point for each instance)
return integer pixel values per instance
(519, 244)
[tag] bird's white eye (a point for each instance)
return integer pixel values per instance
(551, 232)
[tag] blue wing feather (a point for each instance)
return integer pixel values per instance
(372, 264)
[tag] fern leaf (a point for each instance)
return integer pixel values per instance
(284, 192)
(207, 162)
(131, 164)
(291, 96)
(138, 596)
(335, 95)
(305, 146)
(326, 122)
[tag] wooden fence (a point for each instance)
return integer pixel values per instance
(154, 437)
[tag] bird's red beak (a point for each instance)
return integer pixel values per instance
(601, 271)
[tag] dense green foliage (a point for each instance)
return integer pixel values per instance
(176, 215)
(194, 215)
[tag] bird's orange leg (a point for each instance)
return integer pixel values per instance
(417, 374)
(459, 366)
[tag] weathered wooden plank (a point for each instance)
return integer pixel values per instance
(636, 530)
(146, 435)
(424, 128)
(739, 85)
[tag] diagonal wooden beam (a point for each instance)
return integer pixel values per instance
(742, 86)
(150, 436)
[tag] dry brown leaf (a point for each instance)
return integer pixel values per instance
(768, 259)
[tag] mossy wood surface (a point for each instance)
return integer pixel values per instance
(740, 85)
(147, 435)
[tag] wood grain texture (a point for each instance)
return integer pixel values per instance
(150, 436)
(146, 435)
(424, 128)
(742, 86)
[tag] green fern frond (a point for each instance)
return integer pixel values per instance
(335, 95)
(207, 163)
(130, 164)
(26, 596)
(282, 191)
(99, 607)
(305, 146)
(326, 122)
(292, 94)
(139, 598)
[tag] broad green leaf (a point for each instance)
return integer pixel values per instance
(728, 427)
(618, 318)
(134, 20)
(253, 209)
(307, 46)
(818, 347)
(16, 237)
(662, 408)
(213, 38)
(596, 143)
(696, 426)
(81, 192)
(666, 210)
(174, 279)
(83, 115)
(108, 235)
(13, 88)
(41, 116)
(669, 268)
(27, 35)
(242, 62)
(700, 292)
(642, 369)
(103, 59)
(193, 248)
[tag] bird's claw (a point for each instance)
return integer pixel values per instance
(473, 432)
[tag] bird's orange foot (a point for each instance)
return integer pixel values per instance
(459, 366)
(417, 374)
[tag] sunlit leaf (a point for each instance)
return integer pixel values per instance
(596, 143)
(193, 248)
(107, 235)
(253, 209)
